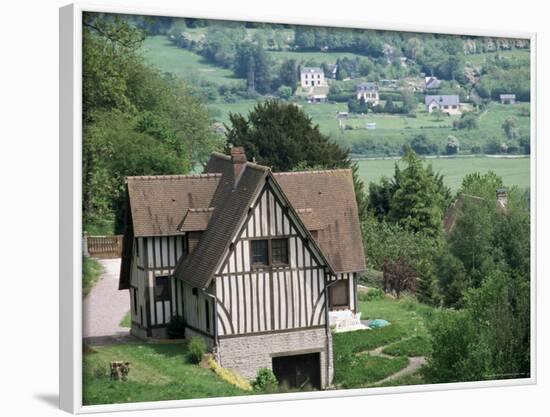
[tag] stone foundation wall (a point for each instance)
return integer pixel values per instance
(246, 354)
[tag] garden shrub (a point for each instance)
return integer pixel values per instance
(265, 380)
(176, 328)
(372, 294)
(197, 348)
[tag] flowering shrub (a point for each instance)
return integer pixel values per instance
(228, 375)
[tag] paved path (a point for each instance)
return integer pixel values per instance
(105, 306)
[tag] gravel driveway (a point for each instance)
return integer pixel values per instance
(105, 305)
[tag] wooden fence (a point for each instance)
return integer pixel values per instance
(104, 246)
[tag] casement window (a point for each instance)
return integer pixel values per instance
(339, 294)
(279, 251)
(162, 288)
(260, 252)
(266, 252)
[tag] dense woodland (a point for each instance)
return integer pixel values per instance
(139, 121)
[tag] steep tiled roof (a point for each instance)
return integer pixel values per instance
(196, 219)
(331, 197)
(198, 268)
(158, 203)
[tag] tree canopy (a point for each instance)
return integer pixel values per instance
(283, 137)
(136, 121)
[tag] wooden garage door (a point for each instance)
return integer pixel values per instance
(298, 371)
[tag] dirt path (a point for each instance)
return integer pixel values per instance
(415, 363)
(105, 306)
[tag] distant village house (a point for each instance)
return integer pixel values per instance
(369, 92)
(312, 77)
(507, 99)
(312, 80)
(432, 83)
(449, 104)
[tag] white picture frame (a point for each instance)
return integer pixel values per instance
(70, 290)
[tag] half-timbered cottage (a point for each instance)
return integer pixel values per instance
(253, 261)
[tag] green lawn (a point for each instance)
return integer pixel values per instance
(91, 272)
(163, 372)
(162, 53)
(407, 336)
(514, 171)
(157, 372)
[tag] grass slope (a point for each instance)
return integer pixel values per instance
(162, 53)
(91, 272)
(514, 171)
(158, 372)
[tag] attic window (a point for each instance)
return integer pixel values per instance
(279, 251)
(259, 252)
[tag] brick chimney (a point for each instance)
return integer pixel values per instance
(238, 158)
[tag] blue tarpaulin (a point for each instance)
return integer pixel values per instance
(376, 323)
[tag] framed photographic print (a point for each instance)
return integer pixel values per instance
(269, 210)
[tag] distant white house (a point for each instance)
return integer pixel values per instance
(312, 77)
(431, 83)
(449, 104)
(507, 99)
(369, 92)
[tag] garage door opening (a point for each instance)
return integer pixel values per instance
(298, 371)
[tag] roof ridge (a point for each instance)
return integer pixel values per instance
(257, 166)
(315, 171)
(169, 177)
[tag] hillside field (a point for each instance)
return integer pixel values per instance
(162, 53)
(514, 171)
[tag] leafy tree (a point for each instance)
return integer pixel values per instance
(282, 137)
(453, 145)
(468, 120)
(471, 240)
(481, 185)
(437, 114)
(416, 204)
(399, 276)
(288, 74)
(489, 338)
(284, 92)
(422, 145)
(452, 279)
(136, 121)
(389, 106)
(252, 63)
(510, 129)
